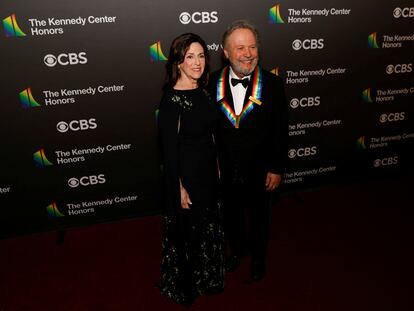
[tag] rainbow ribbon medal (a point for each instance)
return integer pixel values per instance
(253, 99)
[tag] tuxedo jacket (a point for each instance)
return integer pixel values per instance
(256, 142)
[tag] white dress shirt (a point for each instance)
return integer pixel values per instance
(238, 92)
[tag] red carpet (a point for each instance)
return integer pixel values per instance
(346, 247)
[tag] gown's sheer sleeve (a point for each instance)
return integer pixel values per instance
(168, 119)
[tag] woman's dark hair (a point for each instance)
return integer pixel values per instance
(179, 48)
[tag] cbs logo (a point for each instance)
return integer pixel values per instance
(405, 12)
(86, 181)
(305, 102)
(392, 117)
(77, 125)
(64, 59)
(302, 152)
(399, 68)
(386, 161)
(308, 44)
(198, 17)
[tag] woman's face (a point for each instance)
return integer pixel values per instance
(194, 62)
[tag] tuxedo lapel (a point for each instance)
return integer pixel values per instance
(229, 95)
(251, 99)
(248, 91)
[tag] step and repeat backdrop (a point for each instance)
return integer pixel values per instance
(81, 81)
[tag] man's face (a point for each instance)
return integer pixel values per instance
(242, 51)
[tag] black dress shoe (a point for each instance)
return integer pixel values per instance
(232, 263)
(257, 270)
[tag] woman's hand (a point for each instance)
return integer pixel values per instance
(272, 181)
(185, 198)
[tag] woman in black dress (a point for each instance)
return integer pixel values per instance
(192, 249)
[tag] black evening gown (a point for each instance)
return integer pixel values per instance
(193, 243)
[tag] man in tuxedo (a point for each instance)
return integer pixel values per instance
(251, 141)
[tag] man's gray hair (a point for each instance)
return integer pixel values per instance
(240, 24)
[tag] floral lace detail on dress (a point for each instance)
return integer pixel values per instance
(182, 101)
(207, 260)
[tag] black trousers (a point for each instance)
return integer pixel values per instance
(246, 211)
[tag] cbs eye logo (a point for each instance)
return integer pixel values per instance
(50, 60)
(392, 117)
(302, 152)
(62, 127)
(405, 12)
(185, 18)
(65, 59)
(399, 68)
(386, 161)
(198, 17)
(305, 102)
(86, 181)
(308, 44)
(76, 125)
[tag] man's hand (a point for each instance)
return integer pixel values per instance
(272, 181)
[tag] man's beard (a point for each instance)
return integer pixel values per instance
(242, 70)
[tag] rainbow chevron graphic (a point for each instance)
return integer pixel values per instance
(361, 143)
(11, 28)
(275, 71)
(53, 211)
(156, 53)
(274, 15)
(40, 159)
(366, 96)
(27, 100)
(372, 41)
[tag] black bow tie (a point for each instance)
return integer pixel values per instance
(244, 82)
